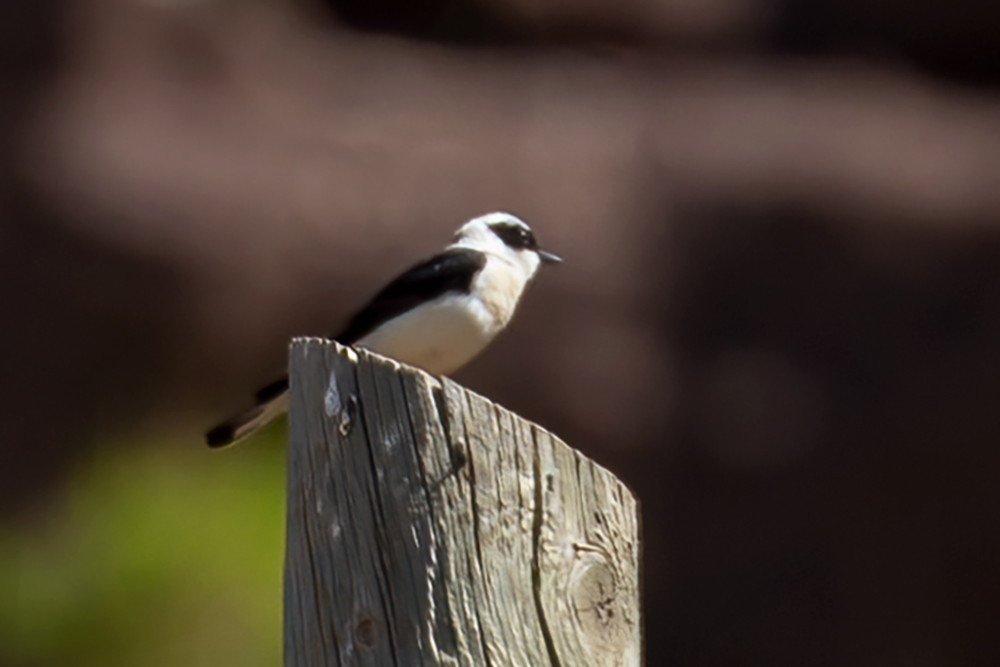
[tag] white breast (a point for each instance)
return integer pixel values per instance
(440, 336)
(443, 335)
(499, 287)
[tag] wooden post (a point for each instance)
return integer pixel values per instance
(429, 526)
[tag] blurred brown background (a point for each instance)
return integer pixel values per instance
(778, 318)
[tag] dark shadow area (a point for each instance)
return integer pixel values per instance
(88, 334)
(465, 22)
(829, 493)
(953, 41)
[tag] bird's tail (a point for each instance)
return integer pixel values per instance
(272, 402)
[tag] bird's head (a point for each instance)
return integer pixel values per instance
(504, 236)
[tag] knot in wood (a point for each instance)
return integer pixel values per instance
(598, 613)
(365, 632)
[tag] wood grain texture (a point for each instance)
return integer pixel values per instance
(429, 526)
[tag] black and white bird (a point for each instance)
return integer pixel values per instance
(437, 316)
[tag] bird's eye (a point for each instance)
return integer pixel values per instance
(515, 236)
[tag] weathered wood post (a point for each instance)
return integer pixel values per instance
(429, 526)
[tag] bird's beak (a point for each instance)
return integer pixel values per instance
(548, 257)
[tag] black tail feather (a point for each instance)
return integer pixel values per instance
(220, 436)
(271, 401)
(228, 431)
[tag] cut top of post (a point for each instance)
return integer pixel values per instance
(429, 526)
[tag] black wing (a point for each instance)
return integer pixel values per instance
(451, 271)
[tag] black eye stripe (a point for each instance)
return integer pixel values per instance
(515, 236)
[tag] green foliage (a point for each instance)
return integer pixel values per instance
(152, 556)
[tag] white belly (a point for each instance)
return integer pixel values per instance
(439, 337)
